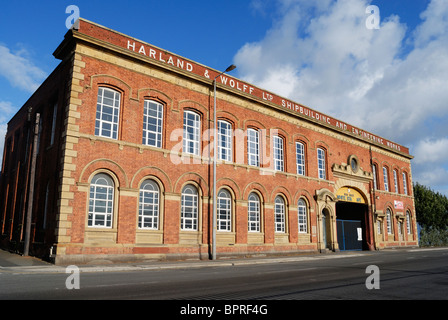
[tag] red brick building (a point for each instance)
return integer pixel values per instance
(124, 165)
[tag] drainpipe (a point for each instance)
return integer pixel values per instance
(29, 213)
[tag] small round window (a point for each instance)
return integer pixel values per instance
(354, 163)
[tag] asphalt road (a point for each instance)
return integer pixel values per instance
(414, 274)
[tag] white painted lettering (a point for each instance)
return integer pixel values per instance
(131, 45)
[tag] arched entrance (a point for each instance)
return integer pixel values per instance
(352, 219)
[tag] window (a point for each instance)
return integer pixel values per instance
(300, 158)
(192, 124)
(375, 177)
(53, 125)
(386, 179)
(302, 216)
(152, 124)
(379, 228)
(101, 201)
(278, 154)
(253, 212)
(389, 221)
(408, 222)
(224, 140)
(405, 184)
(321, 163)
(107, 113)
(189, 208)
(279, 215)
(253, 148)
(224, 219)
(148, 214)
(396, 181)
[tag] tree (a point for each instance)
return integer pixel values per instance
(432, 214)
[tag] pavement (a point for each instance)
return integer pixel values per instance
(12, 262)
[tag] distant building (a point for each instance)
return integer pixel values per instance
(123, 169)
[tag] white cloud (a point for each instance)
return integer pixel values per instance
(322, 55)
(6, 111)
(431, 151)
(19, 70)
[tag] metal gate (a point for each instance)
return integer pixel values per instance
(349, 234)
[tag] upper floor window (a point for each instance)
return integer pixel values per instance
(300, 158)
(278, 154)
(396, 181)
(405, 184)
(148, 215)
(224, 140)
(253, 212)
(152, 124)
(375, 177)
(386, 179)
(321, 163)
(101, 201)
(107, 113)
(253, 148)
(408, 222)
(191, 139)
(302, 216)
(189, 208)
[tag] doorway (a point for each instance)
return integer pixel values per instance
(351, 226)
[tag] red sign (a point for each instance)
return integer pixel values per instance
(398, 204)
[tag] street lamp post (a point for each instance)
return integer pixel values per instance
(215, 158)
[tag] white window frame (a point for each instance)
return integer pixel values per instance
(396, 181)
(386, 179)
(149, 199)
(254, 213)
(112, 118)
(101, 201)
(375, 185)
(253, 147)
(408, 222)
(279, 155)
(191, 134)
(280, 215)
(224, 211)
(300, 158)
(405, 183)
(225, 134)
(321, 166)
(302, 215)
(152, 123)
(189, 208)
(389, 221)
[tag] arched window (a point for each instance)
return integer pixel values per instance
(107, 113)
(224, 140)
(389, 221)
(279, 161)
(375, 176)
(300, 158)
(405, 184)
(302, 216)
(280, 215)
(152, 124)
(189, 208)
(192, 127)
(408, 222)
(396, 181)
(253, 213)
(148, 214)
(101, 201)
(224, 219)
(386, 179)
(253, 148)
(321, 166)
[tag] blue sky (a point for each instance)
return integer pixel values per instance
(391, 81)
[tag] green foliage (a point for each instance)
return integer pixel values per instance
(432, 214)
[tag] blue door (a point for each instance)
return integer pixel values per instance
(349, 234)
